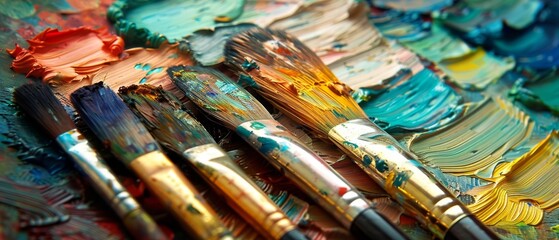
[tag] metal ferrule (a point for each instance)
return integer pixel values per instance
(102, 179)
(213, 163)
(305, 168)
(403, 177)
(174, 191)
(138, 222)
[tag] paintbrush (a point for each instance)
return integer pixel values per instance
(113, 123)
(175, 129)
(39, 102)
(297, 82)
(232, 105)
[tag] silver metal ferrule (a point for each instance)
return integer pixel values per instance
(305, 168)
(102, 179)
(403, 177)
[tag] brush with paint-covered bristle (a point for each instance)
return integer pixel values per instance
(295, 80)
(175, 129)
(114, 124)
(39, 102)
(219, 96)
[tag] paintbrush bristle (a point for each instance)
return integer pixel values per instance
(218, 95)
(293, 78)
(39, 102)
(112, 122)
(165, 118)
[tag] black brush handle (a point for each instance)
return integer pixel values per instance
(371, 225)
(294, 235)
(470, 228)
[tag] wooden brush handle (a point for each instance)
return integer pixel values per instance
(239, 190)
(166, 181)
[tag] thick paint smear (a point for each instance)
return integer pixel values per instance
(139, 66)
(60, 57)
(541, 94)
(207, 45)
(422, 103)
(475, 71)
(523, 189)
(150, 23)
(333, 29)
(377, 68)
(475, 143)
(414, 6)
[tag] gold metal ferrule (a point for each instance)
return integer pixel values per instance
(139, 223)
(240, 191)
(305, 168)
(403, 177)
(174, 191)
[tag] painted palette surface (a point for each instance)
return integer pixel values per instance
(470, 88)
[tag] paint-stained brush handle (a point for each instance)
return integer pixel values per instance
(216, 166)
(166, 181)
(315, 176)
(403, 177)
(138, 222)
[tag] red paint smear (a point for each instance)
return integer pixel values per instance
(65, 56)
(342, 191)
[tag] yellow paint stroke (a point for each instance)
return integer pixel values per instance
(475, 144)
(528, 187)
(476, 70)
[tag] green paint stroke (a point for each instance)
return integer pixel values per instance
(539, 95)
(17, 9)
(153, 21)
(257, 125)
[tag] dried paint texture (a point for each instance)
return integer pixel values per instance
(60, 57)
(149, 23)
(139, 66)
(413, 6)
(475, 143)
(400, 26)
(207, 45)
(379, 68)
(438, 45)
(539, 95)
(333, 29)
(422, 103)
(476, 70)
(477, 17)
(524, 188)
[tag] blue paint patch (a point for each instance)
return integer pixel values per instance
(247, 81)
(155, 70)
(257, 125)
(245, 133)
(401, 178)
(380, 165)
(367, 160)
(268, 145)
(350, 144)
(249, 65)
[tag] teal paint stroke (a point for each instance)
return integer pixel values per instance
(413, 6)
(539, 95)
(169, 19)
(422, 103)
(207, 45)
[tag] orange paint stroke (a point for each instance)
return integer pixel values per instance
(60, 57)
(139, 66)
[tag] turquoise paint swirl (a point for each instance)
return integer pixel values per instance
(422, 103)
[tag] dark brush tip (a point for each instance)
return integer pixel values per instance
(470, 228)
(371, 225)
(294, 235)
(38, 101)
(112, 122)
